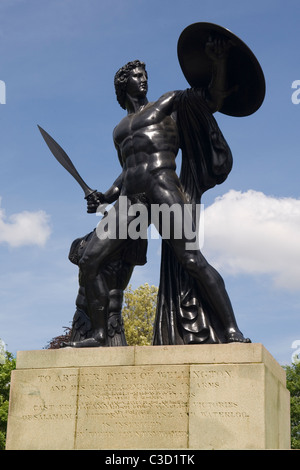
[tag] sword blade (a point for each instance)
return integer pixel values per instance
(65, 161)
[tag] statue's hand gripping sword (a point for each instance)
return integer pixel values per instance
(65, 161)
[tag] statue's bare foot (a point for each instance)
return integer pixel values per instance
(95, 342)
(236, 337)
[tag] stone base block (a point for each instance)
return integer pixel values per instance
(227, 396)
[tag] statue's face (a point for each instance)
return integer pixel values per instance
(137, 84)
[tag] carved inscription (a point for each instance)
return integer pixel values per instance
(133, 406)
(209, 388)
(223, 397)
(51, 396)
(43, 411)
(195, 406)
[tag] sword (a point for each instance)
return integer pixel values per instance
(65, 161)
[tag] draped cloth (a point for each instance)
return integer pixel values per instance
(182, 317)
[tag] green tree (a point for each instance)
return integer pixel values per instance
(139, 313)
(293, 385)
(5, 372)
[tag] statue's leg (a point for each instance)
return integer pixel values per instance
(96, 290)
(96, 256)
(211, 284)
(212, 288)
(116, 332)
(117, 273)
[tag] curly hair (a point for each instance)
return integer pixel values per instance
(121, 77)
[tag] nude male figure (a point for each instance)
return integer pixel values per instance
(147, 142)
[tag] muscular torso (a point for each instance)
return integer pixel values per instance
(147, 142)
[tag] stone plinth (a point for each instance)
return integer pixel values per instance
(227, 396)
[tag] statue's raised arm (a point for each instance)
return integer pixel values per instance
(240, 72)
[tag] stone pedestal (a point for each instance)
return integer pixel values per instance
(228, 396)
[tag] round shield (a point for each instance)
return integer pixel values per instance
(244, 75)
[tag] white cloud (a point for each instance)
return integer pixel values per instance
(24, 228)
(255, 234)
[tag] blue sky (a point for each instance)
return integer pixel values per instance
(58, 60)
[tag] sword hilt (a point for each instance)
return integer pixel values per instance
(89, 192)
(98, 200)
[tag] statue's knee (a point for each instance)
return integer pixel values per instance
(199, 268)
(193, 265)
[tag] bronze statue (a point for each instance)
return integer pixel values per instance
(113, 278)
(193, 305)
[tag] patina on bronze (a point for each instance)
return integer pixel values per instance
(193, 305)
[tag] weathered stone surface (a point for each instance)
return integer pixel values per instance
(163, 397)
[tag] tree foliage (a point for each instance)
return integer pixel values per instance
(56, 342)
(139, 313)
(5, 373)
(293, 385)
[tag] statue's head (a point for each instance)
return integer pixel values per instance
(121, 79)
